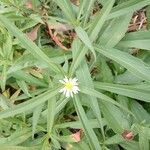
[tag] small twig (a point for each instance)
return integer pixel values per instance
(141, 23)
(55, 38)
(135, 18)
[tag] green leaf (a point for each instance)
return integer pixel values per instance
(128, 6)
(87, 81)
(138, 39)
(24, 87)
(30, 104)
(21, 75)
(93, 32)
(130, 145)
(18, 148)
(28, 60)
(51, 111)
(142, 129)
(3, 77)
(131, 63)
(94, 143)
(104, 72)
(100, 19)
(35, 118)
(127, 78)
(115, 31)
(67, 9)
(102, 2)
(126, 90)
(61, 104)
(101, 96)
(114, 117)
(148, 16)
(88, 6)
(85, 8)
(143, 141)
(146, 132)
(7, 47)
(28, 44)
(17, 137)
(85, 39)
(116, 139)
(77, 124)
(4, 102)
(80, 52)
(141, 114)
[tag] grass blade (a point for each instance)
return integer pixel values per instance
(115, 31)
(87, 81)
(102, 96)
(140, 39)
(85, 39)
(51, 111)
(128, 6)
(126, 90)
(99, 20)
(35, 118)
(93, 33)
(30, 104)
(28, 44)
(94, 143)
(67, 9)
(131, 63)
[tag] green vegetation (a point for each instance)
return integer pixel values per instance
(105, 44)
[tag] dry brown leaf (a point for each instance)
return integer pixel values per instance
(32, 35)
(128, 135)
(55, 38)
(77, 136)
(59, 27)
(29, 5)
(76, 2)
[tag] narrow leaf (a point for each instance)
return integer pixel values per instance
(94, 143)
(126, 90)
(28, 44)
(131, 63)
(85, 39)
(30, 104)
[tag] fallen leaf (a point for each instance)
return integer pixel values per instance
(55, 38)
(29, 5)
(128, 135)
(76, 2)
(77, 136)
(59, 27)
(32, 35)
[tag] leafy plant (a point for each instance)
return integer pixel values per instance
(45, 41)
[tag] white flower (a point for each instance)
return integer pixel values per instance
(70, 86)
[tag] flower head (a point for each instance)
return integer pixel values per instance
(70, 86)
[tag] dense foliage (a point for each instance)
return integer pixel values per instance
(105, 44)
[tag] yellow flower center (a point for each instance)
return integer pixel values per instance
(69, 86)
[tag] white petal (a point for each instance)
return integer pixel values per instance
(75, 92)
(61, 90)
(70, 79)
(75, 88)
(61, 81)
(71, 93)
(64, 91)
(74, 79)
(74, 82)
(67, 94)
(66, 79)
